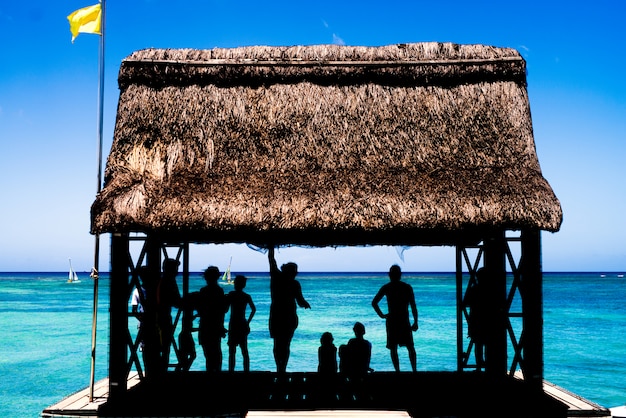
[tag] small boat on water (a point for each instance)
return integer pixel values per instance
(72, 277)
(226, 279)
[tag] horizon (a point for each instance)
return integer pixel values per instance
(49, 102)
(618, 273)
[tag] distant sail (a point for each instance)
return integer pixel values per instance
(72, 277)
(226, 277)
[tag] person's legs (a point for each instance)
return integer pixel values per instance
(213, 353)
(479, 352)
(281, 353)
(278, 354)
(167, 333)
(232, 353)
(246, 356)
(393, 350)
(217, 347)
(207, 355)
(412, 357)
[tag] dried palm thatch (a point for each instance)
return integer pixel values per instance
(324, 145)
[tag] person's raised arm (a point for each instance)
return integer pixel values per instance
(272, 260)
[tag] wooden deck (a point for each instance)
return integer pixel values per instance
(577, 406)
(78, 405)
(358, 413)
(382, 394)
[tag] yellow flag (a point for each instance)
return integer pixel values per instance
(86, 20)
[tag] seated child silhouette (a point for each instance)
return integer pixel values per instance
(327, 355)
(354, 358)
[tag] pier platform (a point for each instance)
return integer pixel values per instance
(380, 394)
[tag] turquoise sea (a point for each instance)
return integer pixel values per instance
(46, 330)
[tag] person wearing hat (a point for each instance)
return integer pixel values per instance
(167, 296)
(211, 306)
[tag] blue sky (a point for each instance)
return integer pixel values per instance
(48, 110)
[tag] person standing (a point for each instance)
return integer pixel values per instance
(399, 297)
(478, 302)
(167, 297)
(148, 328)
(186, 344)
(239, 325)
(285, 292)
(138, 300)
(211, 307)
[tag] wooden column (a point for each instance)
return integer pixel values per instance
(185, 269)
(495, 288)
(532, 307)
(118, 317)
(460, 348)
(151, 352)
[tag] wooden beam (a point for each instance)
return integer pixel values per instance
(495, 286)
(532, 307)
(118, 317)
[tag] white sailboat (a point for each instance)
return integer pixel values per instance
(72, 277)
(226, 277)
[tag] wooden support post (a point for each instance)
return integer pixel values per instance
(460, 351)
(118, 317)
(185, 268)
(153, 256)
(495, 287)
(532, 307)
(151, 353)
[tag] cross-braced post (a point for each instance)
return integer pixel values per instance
(515, 302)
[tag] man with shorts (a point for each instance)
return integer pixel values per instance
(399, 330)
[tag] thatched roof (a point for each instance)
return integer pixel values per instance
(324, 145)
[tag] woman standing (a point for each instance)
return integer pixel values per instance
(285, 292)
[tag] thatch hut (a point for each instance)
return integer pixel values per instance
(324, 145)
(410, 144)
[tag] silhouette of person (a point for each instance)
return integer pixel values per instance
(327, 355)
(138, 299)
(186, 344)
(167, 297)
(356, 355)
(239, 325)
(399, 331)
(477, 302)
(211, 307)
(285, 292)
(148, 328)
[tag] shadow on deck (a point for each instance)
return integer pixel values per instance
(424, 394)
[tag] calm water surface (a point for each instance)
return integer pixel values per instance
(46, 331)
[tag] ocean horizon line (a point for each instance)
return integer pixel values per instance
(601, 272)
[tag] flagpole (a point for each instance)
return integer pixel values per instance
(96, 256)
